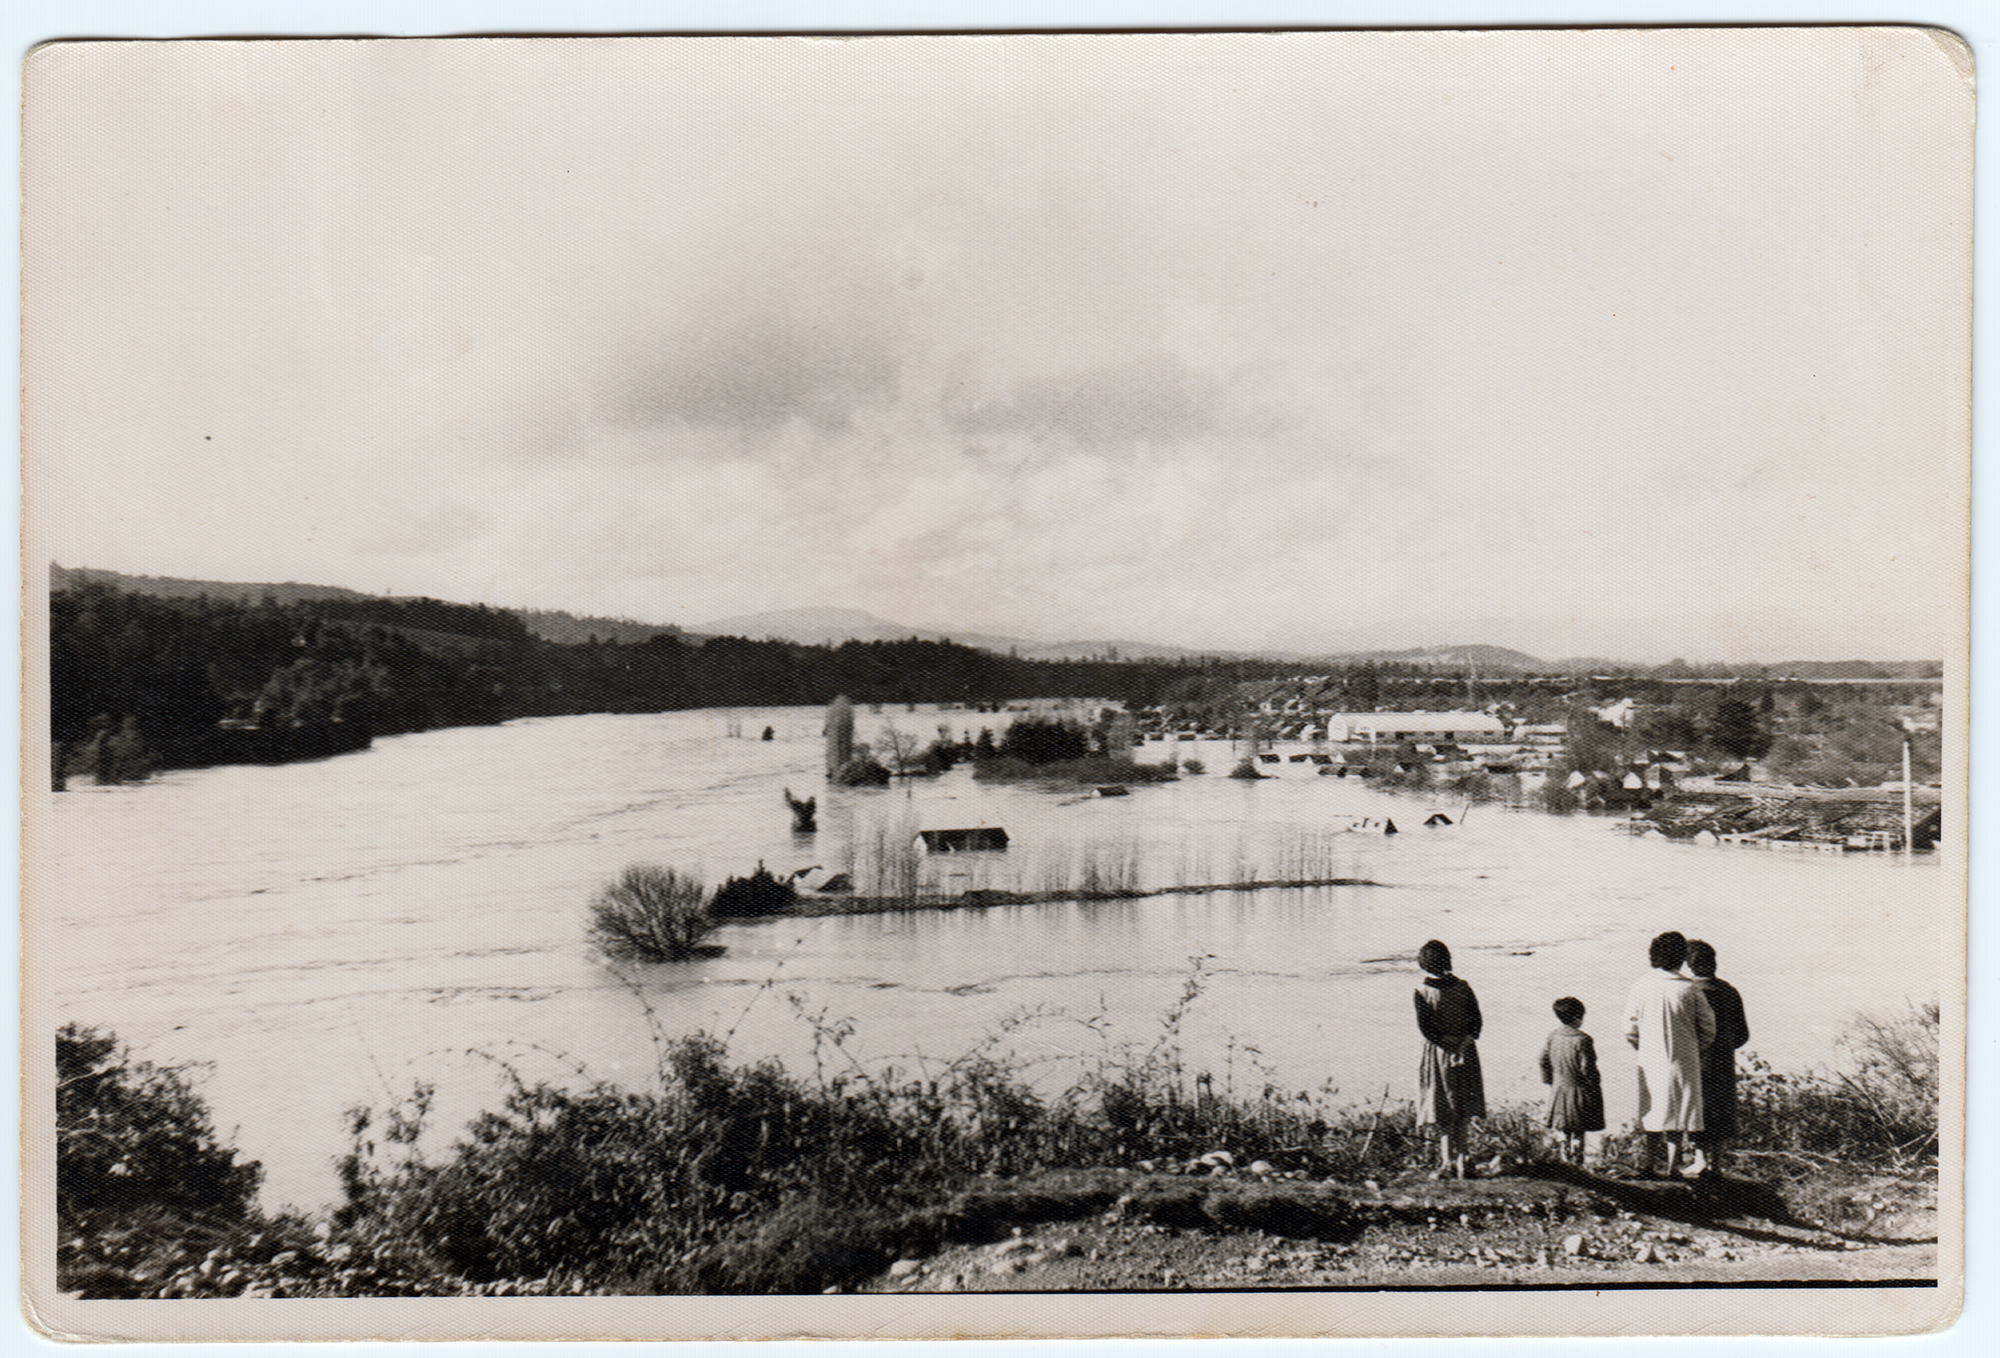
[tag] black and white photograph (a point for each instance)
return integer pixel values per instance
(997, 685)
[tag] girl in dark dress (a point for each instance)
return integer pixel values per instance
(1569, 1066)
(1450, 1088)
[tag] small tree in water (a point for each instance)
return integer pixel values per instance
(839, 735)
(650, 914)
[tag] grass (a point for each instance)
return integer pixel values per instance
(728, 1177)
(650, 914)
(887, 861)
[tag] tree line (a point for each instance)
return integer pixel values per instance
(170, 671)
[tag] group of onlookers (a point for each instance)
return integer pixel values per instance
(1685, 1026)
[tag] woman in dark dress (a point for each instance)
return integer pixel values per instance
(1451, 1091)
(1718, 1061)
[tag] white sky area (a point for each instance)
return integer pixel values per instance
(1627, 343)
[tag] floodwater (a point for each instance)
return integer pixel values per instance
(324, 935)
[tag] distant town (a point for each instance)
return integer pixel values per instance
(150, 673)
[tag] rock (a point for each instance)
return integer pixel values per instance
(1541, 1259)
(1645, 1254)
(1216, 1158)
(903, 1268)
(1372, 1185)
(833, 1291)
(1262, 1167)
(1014, 1246)
(1573, 1245)
(1254, 1264)
(1465, 1220)
(1002, 1268)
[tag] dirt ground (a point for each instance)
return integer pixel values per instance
(1539, 1225)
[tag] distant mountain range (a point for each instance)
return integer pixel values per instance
(831, 626)
(548, 624)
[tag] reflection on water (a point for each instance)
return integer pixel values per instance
(326, 933)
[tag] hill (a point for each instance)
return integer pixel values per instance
(1486, 659)
(831, 626)
(568, 628)
(170, 587)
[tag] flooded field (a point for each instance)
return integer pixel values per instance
(327, 934)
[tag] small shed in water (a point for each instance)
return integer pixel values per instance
(984, 839)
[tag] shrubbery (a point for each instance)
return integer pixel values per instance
(1879, 1105)
(758, 894)
(728, 1178)
(144, 1189)
(650, 914)
(1044, 740)
(131, 1135)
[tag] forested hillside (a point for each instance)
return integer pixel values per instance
(171, 670)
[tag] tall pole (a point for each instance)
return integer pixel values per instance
(1909, 804)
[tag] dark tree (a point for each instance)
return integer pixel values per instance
(1738, 730)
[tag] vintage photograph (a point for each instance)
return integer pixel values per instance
(1260, 683)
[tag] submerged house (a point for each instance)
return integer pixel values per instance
(982, 839)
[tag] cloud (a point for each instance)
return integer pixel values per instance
(1152, 400)
(443, 528)
(756, 374)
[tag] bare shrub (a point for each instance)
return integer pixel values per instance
(650, 914)
(1879, 1106)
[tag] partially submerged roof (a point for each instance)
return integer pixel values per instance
(981, 838)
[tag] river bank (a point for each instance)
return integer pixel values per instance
(1535, 1225)
(725, 1178)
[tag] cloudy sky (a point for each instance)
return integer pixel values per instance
(1647, 344)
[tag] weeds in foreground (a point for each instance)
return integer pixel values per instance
(1878, 1104)
(739, 1178)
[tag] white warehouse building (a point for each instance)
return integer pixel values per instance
(1479, 727)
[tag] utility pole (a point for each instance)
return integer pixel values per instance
(1909, 800)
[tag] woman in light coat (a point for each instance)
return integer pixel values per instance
(1669, 1023)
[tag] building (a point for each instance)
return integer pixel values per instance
(1478, 728)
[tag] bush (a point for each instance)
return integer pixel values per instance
(650, 914)
(132, 1135)
(758, 894)
(1880, 1106)
(1044, 740)
(144, 1191)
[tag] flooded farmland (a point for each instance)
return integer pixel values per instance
(325, 935)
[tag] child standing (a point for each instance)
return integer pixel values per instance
(1569, 1064)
